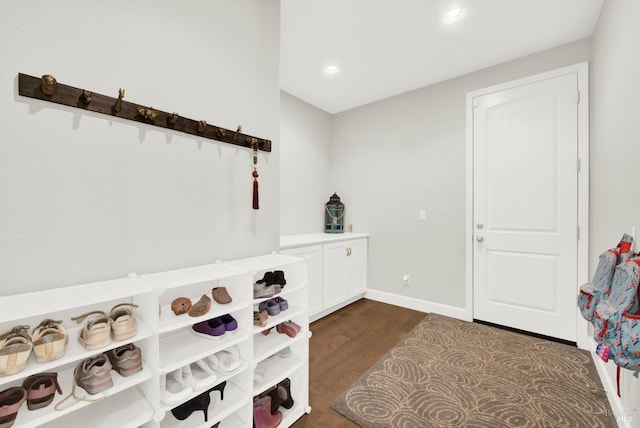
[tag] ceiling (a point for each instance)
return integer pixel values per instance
(387, 47)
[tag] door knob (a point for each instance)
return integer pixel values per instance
(479, 238)
(479, 225)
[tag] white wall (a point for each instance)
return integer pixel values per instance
(615, 148)
(305, 165)
(395, 157)
(85, 197)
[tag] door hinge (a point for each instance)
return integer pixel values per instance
(476, 102)
(578, 165)
(578, 97)
(578, 233)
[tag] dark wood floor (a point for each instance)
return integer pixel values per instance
(343, 346)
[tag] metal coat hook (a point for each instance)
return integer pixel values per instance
(117, 107)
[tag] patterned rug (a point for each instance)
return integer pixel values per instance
(451, 373)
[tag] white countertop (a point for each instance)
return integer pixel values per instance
(292, 241)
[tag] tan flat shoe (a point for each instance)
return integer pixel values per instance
(49, 340)
(221, 295)
(97, 332)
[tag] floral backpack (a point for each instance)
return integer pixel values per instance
(599, 288)
(617, 319)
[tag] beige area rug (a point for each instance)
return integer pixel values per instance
(451, 373)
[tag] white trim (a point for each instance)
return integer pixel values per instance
(417, 304)
(617, 406)
(326, 311)
(582, 70)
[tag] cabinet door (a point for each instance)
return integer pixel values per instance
(335, 273)
(313, 255)
(356, 268)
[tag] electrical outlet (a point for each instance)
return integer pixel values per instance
(406, 279)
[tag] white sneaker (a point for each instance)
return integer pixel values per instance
(199, 375)
(173, 388)
(226, 361)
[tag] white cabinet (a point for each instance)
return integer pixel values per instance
(337, 268)
(345, 271)
(168, 344)
(128, 394)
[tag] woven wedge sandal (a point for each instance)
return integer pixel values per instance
(49, 340)
(15, 347)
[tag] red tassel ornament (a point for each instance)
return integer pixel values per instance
(254, 146)
(256, 206)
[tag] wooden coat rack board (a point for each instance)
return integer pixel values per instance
(47, 89)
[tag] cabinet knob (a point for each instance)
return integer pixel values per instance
(479, 239)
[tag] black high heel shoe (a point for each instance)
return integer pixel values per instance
(219, 387)
(199, 402)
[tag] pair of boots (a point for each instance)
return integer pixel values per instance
(266, 405)
(262, 416)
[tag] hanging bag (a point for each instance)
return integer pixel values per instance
(593, 292)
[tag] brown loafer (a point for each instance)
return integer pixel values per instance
(181, 305)
(201, 307)
(10, 401)
(221, 295)
(41, 389)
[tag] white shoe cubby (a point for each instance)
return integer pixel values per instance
(128, 394)
(168, 344)
(269, 364)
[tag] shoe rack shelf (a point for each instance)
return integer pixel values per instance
(62, 304)
(168, 343)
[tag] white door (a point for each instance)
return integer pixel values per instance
(525, 206)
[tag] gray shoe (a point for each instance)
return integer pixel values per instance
(261, 289)
(94, 374)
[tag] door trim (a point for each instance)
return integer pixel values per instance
(582, 70)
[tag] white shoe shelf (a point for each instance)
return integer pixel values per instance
(168, 344)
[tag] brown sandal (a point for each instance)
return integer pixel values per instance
(201, 307)
(260, 318)
(181, 305)
(41, 389)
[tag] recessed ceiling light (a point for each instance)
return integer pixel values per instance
(331, 69)
(452, 15)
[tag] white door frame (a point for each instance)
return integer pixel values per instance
(582, 70)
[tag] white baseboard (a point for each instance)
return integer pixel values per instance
(316, 316)
(623, 416)
(417, 304)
